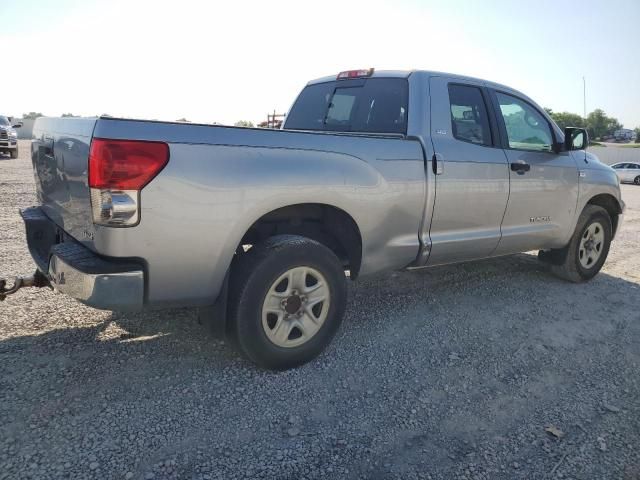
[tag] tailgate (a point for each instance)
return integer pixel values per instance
(60, 153)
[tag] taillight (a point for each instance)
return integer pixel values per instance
(118, 170)
(125, 164)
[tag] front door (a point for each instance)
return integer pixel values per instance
(471, 173)
(543, 181)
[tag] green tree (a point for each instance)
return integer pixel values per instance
(183, 120)
(597, 123)
(567, 119)
(71, 115)
(32, 115)
(243, 123)
(600, 125)
(637, 130)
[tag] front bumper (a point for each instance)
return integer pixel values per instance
(100, 282)
(10, 144)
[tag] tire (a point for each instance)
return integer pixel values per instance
(637, 180)
(580, 260)
(14, 153)
(272, 317)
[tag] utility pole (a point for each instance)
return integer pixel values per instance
(584, 97)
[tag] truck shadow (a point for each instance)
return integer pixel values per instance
(503, 290)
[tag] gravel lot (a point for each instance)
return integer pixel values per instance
(453, 372)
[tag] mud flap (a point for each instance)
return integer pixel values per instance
(215, 316)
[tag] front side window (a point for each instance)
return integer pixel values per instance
(469, 119)
(373, 105)
(526, 128)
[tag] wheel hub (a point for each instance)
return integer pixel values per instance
(293, 304)
(589, 244)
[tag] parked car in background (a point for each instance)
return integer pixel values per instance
(624, 134)
(628, 172)
(8, 137)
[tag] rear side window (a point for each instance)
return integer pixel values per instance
(469, 119)
(374, 105)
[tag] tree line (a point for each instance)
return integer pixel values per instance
(597, 123)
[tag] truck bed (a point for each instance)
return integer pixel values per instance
(219, 180)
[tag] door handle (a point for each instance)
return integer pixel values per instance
(520, 167)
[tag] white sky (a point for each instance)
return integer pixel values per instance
(226, 61)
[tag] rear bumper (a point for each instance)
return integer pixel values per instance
(73, 269)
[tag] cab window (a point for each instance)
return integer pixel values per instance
(526, 128)
(372, 105)
(469, 119)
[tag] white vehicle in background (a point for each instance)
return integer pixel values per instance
(8, 137)
(624, 134)
(628, 172)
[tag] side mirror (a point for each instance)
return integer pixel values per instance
(575, 138)
(17, 125)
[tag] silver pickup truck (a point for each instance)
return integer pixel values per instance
(373, 171)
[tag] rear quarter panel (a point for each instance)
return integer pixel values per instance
(219, 181)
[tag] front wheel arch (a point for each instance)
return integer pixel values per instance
(611, 205)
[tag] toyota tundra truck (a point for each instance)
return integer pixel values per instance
(261, 229)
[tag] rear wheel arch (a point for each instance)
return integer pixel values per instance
(326, 224)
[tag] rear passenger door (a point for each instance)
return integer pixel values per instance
(543, 180)
(470, 170)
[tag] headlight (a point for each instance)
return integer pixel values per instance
(13, 134)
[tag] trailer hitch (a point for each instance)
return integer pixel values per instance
(37, 280)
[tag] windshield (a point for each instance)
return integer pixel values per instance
(374, 105)
(4, 122)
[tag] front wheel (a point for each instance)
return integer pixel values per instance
(14, 153)
(588, 248)
(637, 180)
(287, 298)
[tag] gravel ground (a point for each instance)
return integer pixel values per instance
(453, 372)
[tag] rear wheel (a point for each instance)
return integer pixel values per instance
(287, 299)
(14, 153)
(587, 251)
(637, 180)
